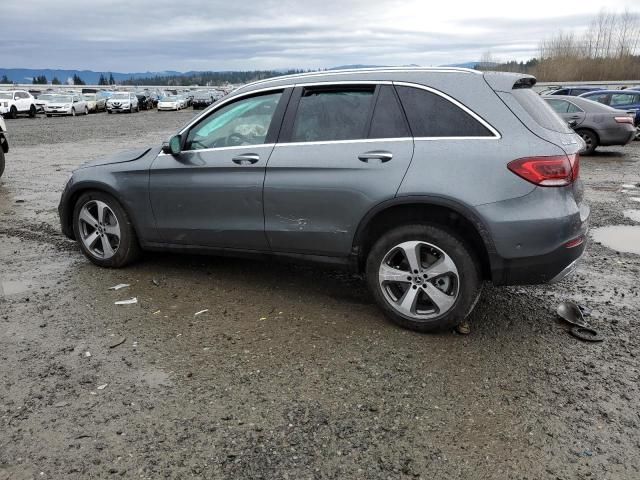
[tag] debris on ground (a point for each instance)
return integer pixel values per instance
(102, 387)
(155, 282)
(574, 314)
(127, 302)
(119, 286)
(87, 354)
(117, 342)
(464, 328)
(200, 312)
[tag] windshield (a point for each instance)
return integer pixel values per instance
(6, 96)
(121, 96)
(89, 96)
(60, 99)
(202, 95)
(170, 98)
(46, 96)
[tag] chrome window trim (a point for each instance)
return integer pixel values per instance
(220, 149)
(240, 96)
(482, 121)
(357, 140)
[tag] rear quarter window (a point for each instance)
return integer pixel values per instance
(431, 115)
(540, 111)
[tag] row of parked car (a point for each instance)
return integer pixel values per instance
(601, 117)
(15, 102)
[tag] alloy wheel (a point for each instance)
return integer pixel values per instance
(99, 229)
(419, 280)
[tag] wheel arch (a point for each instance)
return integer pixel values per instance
(590, 130)
(68, 205)
(450, 214)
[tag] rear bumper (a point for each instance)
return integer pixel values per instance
(617, 136)
(548, 268)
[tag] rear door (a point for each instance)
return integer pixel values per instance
(211, 193)
(568, 111)
(344, 148)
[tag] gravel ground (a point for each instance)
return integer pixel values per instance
(293, 372)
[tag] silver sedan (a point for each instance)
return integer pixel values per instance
(597, 124)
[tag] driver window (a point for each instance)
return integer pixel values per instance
(245, 122)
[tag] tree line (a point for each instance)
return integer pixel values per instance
(608, 50)
(210, 78)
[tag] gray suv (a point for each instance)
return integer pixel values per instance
(429, 181)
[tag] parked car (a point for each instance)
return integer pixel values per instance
(66, 104)
(202, 100)
(123, 102)
(94, 102)
(42, 100)
(4, 144)
(171, 102)
(429, 181)
(597, 124)
(13, 102)
(628, 100)
(571, 91)
(145, 101)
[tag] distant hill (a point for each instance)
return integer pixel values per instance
(25, 75)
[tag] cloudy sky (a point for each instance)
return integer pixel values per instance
(156, 35)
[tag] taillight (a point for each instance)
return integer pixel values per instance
(554, 171)
(624, 120)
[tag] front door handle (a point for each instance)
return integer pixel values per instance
(574, 117)
(246, 159)
(381, 155)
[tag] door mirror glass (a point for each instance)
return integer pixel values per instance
(175, 145)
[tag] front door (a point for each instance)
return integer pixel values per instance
(343, 150)
(211, 193)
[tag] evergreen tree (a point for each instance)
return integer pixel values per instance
(77, 80)
(111, 79)
(5, 79)
(102, 80)
(55, 81)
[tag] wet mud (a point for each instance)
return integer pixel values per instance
(292, 372)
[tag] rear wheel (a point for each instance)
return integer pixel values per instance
(1, 161)
(590, 139)
(86, 110)
(104, 231)
(73, 112)
(423, 277)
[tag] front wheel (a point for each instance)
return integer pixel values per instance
(423, 277)
(86, 110)
(1, 161)
(590, 139)
(13, 113)
(73, 112)
(32, 111)
(104, 231)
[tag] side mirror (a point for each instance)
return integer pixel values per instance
(174, 147)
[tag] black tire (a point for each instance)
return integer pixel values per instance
(128, 249)
(32, 111)
(591, 139)
(48, 115)
(109, 112)
(13, 112)
(86, 110)
(1, 161)
(73, 112)
(469, 285)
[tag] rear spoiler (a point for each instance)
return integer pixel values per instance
(505, 82)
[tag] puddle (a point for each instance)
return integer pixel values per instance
(632, 215)
(622, 238)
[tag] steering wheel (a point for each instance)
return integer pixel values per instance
(236, 139)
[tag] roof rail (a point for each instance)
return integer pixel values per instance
(364, 70)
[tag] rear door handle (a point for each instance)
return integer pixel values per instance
(246, 159)
(381, 155)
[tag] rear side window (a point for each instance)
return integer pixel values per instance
(600, 97)
(559, 106)
(326, 115)
(539, 110)
(431, 115)
(623, 99)
(388, 119)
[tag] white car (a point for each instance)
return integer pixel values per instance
(13, 102)
(123, 102)
(66, 104)
(42, 101)
(94, 102)
(171, 102)
(4, 145)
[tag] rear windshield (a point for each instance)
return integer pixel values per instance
(538, 109)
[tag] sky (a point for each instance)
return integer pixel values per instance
(159, 35)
